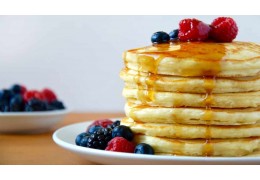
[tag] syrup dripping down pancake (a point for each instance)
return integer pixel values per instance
(174, 99)
(186, 131)
(236, 59)
(198, 147)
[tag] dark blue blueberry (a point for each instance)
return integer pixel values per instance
(160, 37)
(123, 131)
(93, 129)
(143, 148)
(4, 106)
(55, 105)
(80, 137)
(17, 89)
(174, 35)
(6, 95)
(16, 103)
(36, 105)
(84, 141)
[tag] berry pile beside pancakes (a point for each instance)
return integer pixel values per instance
(195, 91)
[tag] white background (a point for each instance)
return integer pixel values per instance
(80, 56)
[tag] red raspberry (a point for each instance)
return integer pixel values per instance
(102, 122)
(193, 30)
(223, 29)
(49, 95)
(28, 95)
(120, 144)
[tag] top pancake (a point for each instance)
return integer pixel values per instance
(236, 59)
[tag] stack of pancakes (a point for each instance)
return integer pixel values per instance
(194, 98)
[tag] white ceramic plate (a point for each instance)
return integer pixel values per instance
(65, 137)
(30, 122)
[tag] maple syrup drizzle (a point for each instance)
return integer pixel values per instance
(147, 95)
(206, 56)
(125, 61)
(209, 84)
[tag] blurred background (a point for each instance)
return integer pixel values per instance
(80, 57)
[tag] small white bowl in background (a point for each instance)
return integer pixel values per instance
(30, 122)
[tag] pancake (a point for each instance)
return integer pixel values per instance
(148, 81)
(236, 59)
(173, 99)
(200, 147)
(185, 131)
(192, 115)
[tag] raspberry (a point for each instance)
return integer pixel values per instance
(33, 94)
(193, 30)
(223, 29)
(120, 144)
(102, 122)
(49, 95)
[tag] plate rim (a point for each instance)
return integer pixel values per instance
(89, 151)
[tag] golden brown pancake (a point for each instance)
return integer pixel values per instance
(173, 99)
(192, 115)
(236, 59)
(147, 81)
(186, 131)
(201, 147)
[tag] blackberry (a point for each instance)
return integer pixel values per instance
(115, 124)
(100, 138)
(35, 105)
(55, 105)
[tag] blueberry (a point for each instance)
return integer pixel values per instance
(16, 103)
(93, 129)
(143, 148)
(54, 105)
(80, 137)
(35, 105)
(84, 141)
(123, 131)
(6, 95)
(160, 37)
(174, 35)
(17, 89)
(4, 106)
